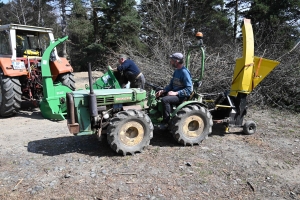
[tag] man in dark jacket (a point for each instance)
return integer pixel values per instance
(130, 72)
(180, 87)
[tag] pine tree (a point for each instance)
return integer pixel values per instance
(82, 48)
(235, 10)
(118, 21)
(276, 21)
(210, 17)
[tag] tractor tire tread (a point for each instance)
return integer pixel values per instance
(68, 80)
(121, 118)
(185, 112)
(11, 96)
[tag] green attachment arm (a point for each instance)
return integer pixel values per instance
(48, 88)
(187, 63)
(196, 81)
(53, 104)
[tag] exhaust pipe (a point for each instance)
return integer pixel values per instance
(71, 121)
(92, 96)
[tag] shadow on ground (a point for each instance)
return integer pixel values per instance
(31, 111)
(90, 145)
(34, 114)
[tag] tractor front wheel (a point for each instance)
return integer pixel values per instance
(10, 95)
(68, 80)
(129, 132)
(191, 125)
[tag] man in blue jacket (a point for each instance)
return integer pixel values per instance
(130, 72)
(179, 89)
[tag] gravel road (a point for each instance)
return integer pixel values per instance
(40, 159)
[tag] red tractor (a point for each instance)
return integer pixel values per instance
(21, 51)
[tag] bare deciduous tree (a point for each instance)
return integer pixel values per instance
(19, 11)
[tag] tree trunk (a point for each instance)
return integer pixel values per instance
(235, 20)
(64, 26)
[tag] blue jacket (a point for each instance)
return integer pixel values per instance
(181, 83)
(129, 66)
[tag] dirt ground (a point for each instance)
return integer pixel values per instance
(40, 159)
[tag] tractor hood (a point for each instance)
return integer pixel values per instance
(82, 93)
(111, 96)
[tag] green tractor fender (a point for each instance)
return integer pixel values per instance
(106, 81)
(185, 103)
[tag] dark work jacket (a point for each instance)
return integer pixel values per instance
(129, 69)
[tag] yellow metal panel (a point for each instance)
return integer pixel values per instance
(248, 42)
(243, 72)
(242, 78)
(262, 67)
(249, 70)
(223, 106)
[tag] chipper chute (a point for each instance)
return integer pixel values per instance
(230, 108)
(53, 104)
(249, 70)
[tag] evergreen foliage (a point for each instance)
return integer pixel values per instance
(80, 34)
(275, 21)
(118, 21)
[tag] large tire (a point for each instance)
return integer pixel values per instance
(191, 125)
(129, 132)
(68, 80)
(10, 95)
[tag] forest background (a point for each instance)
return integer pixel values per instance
(150, 30)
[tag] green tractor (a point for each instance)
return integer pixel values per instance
(118, 112)
(128, 116)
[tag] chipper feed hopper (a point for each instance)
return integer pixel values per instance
(128, 118)
(231, 107)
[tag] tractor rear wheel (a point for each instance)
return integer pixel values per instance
(191, 125)
(68, 80)
(10, 95)
(129, 132)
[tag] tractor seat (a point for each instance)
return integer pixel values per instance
(186, 99)
(190, 97)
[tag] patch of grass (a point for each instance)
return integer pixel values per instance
(199, 164)
(156, 150)
(289, 162)
(204, 173)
